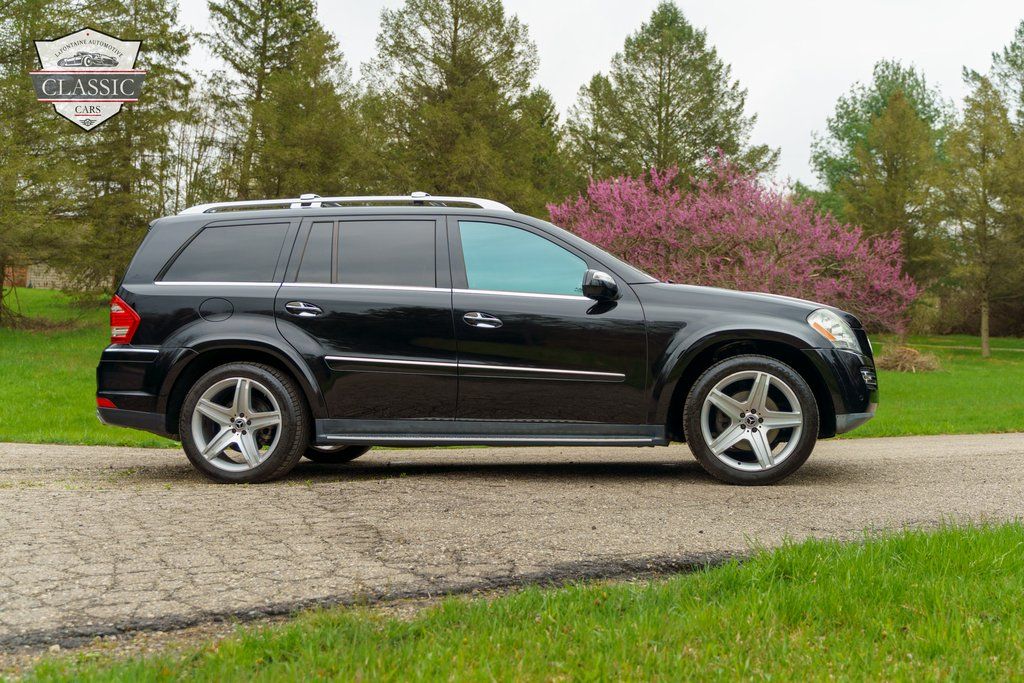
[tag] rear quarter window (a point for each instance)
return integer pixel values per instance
(230, 253)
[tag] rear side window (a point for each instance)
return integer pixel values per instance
(396, 253)
(316, 257)
(230, 253)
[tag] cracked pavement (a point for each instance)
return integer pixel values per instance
(100, 540)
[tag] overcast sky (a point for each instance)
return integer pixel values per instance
(794, 57)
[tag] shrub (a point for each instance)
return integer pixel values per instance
(733, 231)
(906, 359)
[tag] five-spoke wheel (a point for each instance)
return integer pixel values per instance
(244, 422)
(751, 420)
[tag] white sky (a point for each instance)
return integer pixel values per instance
(795, 57)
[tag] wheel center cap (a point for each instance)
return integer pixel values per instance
(239, 423)
(750, 420)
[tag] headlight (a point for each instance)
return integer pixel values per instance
(832, 327)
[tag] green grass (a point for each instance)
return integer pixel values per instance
(47, 384)
(916, 605)
(48, 378)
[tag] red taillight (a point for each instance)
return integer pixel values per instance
(123, 321)
(104, 403)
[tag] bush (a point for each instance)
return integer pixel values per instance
(906, 359)
(732, 231)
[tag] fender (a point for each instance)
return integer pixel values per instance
(272, 345)
(672, 361)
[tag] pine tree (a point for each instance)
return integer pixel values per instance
(451, 84)
(37, 178)
(1008, 72)
(981, 196)
(256, 38)
(669, 101)
(129, 157)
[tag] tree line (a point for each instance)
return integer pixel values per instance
(449, 104)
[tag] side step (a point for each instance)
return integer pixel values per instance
(485, 433)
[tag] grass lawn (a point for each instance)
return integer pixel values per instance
(47, 384)
(917, 605)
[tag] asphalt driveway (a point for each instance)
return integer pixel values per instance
(96, 540)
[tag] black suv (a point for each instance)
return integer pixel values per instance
(261, 332)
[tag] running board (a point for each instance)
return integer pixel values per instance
(485, 433)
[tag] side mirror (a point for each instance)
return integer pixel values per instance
(600, 286)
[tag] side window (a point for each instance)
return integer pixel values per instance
(507, 259)
(230, 253)
(316, 257)
(396, 253)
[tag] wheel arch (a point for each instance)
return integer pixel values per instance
(717, 347)
(200, 359)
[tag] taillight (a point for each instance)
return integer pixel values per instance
(104, 403)
(123, 321)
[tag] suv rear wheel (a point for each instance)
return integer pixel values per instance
(335, 455)
(751, 420)
(244, 422)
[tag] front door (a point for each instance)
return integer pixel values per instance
(366, 304)
(531, 346)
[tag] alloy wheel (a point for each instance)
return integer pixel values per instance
(236, 424)
(751, 420)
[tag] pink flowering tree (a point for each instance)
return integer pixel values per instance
(732, 231)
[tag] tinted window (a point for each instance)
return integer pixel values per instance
(507, 259)
(399, 253)
(235, 253)
(316, 258)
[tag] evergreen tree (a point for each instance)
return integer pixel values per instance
(1008, 71)
(451, 83)
(310, 137)
(38, 180)
(256, 38)
(981, 196)
(129, 158)
(670, 101)
(879, 159)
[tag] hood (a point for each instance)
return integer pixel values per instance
(761, 302)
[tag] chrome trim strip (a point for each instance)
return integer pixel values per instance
(129, 349)
(431, 437)
(192, 283)
(391, 361)
(472, 366)
(517, 368)
(536, 295)
(402, 288)
(417, 199)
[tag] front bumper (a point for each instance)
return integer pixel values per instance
(851, 386)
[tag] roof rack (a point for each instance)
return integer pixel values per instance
(315, 201)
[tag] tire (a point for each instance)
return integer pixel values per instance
(260, 437)
(728, 431)
(335, 455)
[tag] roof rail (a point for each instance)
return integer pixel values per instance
(316, 201)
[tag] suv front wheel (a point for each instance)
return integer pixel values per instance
(244, 423)
(751, 420)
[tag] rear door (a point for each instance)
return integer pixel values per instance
(366, 303)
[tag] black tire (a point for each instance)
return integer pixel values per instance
(294, 428)
(803, 443)
(335, 455)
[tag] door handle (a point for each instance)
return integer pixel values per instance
(484, 320)
(302, 309)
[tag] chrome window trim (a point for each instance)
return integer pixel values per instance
(472, 366)
(216, 283)
(538, 295)
(403, 288)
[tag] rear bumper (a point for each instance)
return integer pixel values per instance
(134, 419)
